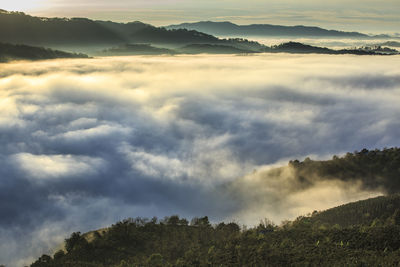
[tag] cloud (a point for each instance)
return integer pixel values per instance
(88, 142)
(56, 166)
(283, 195)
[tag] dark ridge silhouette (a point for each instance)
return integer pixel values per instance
(9, 52)
(299, 48)
(231, 29)
(307, 241)
(240, 46)
(17, 27)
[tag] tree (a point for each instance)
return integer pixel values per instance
(203, 221)
(155, 260)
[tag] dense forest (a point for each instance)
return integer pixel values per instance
(363, 233)
(374, 168)
(303, 242)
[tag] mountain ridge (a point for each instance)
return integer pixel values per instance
(227, 28)
(20, 28)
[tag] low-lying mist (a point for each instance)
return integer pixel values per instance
(85, 143)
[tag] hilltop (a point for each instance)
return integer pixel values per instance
(173, 241)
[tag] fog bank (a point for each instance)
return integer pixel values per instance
(88, 142)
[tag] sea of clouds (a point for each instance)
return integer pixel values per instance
(85, 143)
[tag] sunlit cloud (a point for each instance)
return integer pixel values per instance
(56, 166)
(88, 142)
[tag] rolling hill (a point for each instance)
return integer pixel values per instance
(20, 28)
(304, 242)
(9, 52)
(230, 29)
(137, 38)
(379, 211)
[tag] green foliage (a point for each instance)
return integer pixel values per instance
(373, 168)
(144, 242)
(363, 233)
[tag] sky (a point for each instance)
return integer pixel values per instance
(368, 16)
(86, 143)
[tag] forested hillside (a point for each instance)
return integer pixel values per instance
(20, 28)
(380, 211)
(363, 233)
(10, 52)
(374, 168)
(300, 48)
(174, 242)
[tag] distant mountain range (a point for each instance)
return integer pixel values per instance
(390, 43)
(231, 29)
(137, 38)
(232, 48)
(20, 28)
(299, 48)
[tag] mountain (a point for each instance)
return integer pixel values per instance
(300, 48)
(20, 28)
(306, 241)
(390, 43)
(9, 52)
(231, 46)
(133, 38)
(231, 29)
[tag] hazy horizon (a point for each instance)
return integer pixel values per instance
(355, 15)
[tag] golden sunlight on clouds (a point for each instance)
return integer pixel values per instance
(86, 142)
